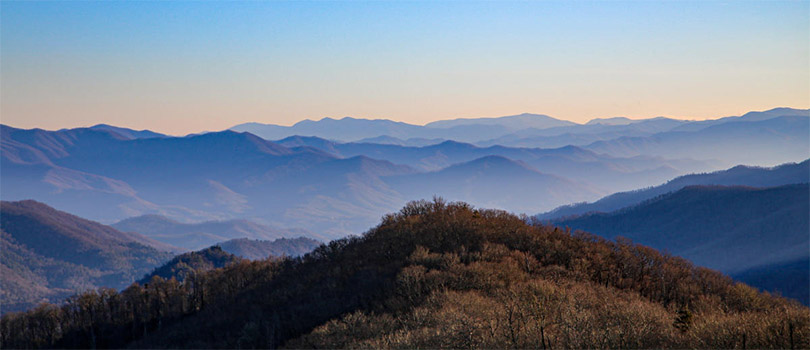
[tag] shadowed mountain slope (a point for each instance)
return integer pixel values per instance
(791, 173)
(790, 278)
(48, 255)
(731, 229)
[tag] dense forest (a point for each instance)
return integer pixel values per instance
(434, 274)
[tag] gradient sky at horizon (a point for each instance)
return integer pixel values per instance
(183, 67)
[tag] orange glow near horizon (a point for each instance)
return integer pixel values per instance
(187, 67)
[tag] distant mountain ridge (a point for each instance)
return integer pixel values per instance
(581, 135)
(260, 249)
(216, 176)
(129, 133)
(332, 188)
(571, 162)
(48, 254)
(204, 234)
(514, 122)
(750, 116)
(483, 184)
(353, 129)
(611, 121)
(105, 176)
(390, 140)
(688, 208)
(733, 229)
(791, 173)
(619, 130)
(739, 141)
(525, 130)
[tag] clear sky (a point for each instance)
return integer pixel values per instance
(181, 67)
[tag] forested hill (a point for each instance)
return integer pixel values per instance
(186, 264)
(433, 275)
(48, 255)
(228, 253)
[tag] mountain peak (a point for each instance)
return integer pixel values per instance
(126, 132)
(454, 144)
(790, 111)
(774, 113)
(610, 121)
(234, 139)
(498, 163)
(511, 122)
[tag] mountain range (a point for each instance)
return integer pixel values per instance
(762, 142)
(165, 193)
(331, 189)
(353, 129)
(733, 229)
(492, 181)
(601, 171)
(741, 175)
(195, 236)
(104, 176)
(525, 130)
(49, 255)
(253, 249)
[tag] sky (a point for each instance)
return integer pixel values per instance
(181, 67)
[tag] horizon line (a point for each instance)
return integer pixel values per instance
(287, 125)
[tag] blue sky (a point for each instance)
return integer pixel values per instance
(182, 67)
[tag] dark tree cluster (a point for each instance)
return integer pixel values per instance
(433, 275)
(186, 264)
